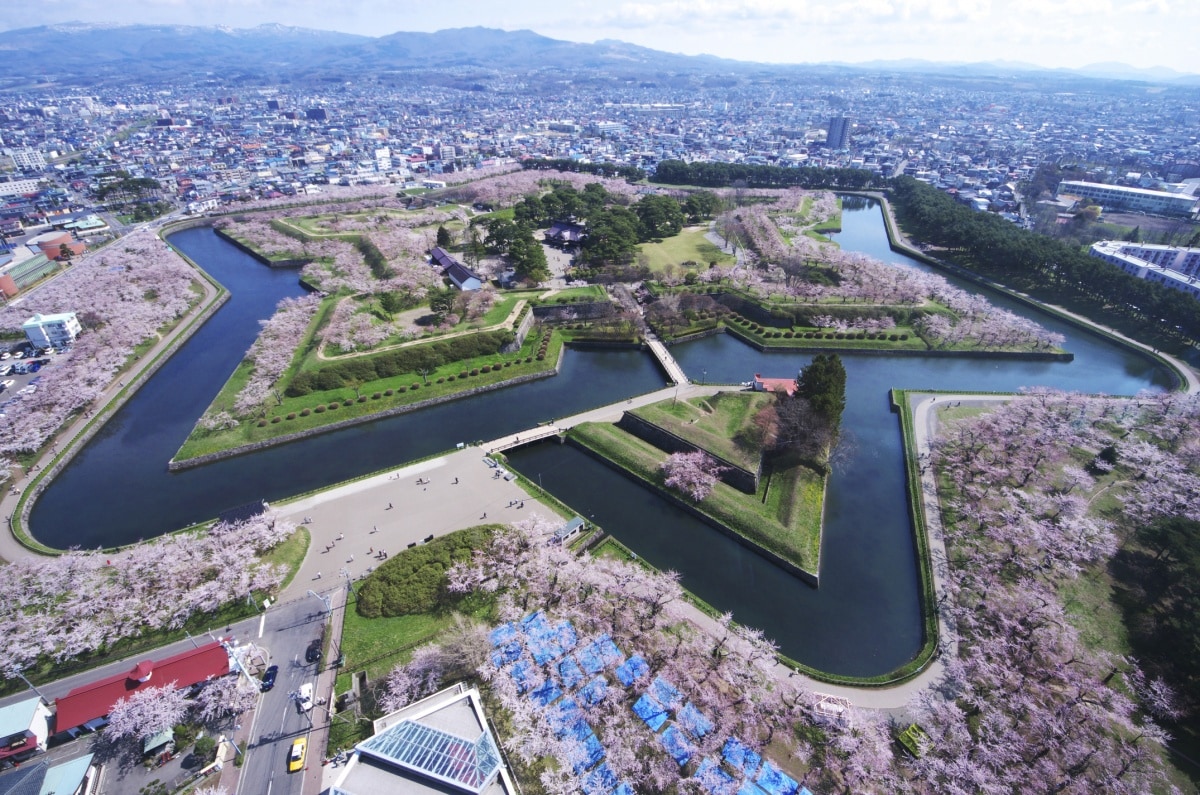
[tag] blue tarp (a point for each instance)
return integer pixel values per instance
(590, 752)
(570, 672)
(534, 622)
(525, 674)
(546, 643)
(714, 779)
(600, 781)
(775, 782)
(503, 656)
(741, 756)
(563, 715)
(600, 654)
(624, 789)
(631, 670)
(545, 693)
(693, 721)
(677, 745)
(749, 789)
(593, 692)
(664, 693)
(502, 634)
(609, 651)
(651, 712)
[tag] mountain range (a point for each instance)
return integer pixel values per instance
(88, 53)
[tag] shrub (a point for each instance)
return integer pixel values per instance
(415, 385)
(903, 337)
(414, 581)
(334, 405)
(487, 368)
(262, 423)
(305, 412)
(376, 396)
(388, 392)
(893, 337)
(528, 359)
(541, 357)
(400, 390)
(474, 371)
(362, 399)
(508, 364)
(291, 415)
(788, 334)
(840, 336)
(442, 380)
(463, 374)
(319, 410)
(276, 419)
(450, 377)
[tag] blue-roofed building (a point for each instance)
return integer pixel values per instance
(45, 777)
(439, 744)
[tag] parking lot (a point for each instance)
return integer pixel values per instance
(21, 375)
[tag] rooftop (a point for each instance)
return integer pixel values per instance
(95, 700)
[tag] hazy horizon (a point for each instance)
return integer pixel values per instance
(1047, 33)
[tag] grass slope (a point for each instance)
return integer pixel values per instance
(783, 518)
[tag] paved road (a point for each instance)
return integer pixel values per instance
(288, 630)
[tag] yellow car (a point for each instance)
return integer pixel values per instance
(296, 757)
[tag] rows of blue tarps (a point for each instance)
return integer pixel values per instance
(567, 676)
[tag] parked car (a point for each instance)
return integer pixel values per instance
(7, 382)
(313, 653)
(5, 355)
(268, 680)
(18, 354)
(296, 755)
(305, 697)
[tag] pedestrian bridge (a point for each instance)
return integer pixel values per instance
(667, 361)
(518, 439)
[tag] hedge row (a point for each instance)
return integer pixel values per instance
(362, 369)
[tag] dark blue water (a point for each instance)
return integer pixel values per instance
(864, 619)
(118, 490)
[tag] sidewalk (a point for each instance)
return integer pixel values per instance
(70, 441)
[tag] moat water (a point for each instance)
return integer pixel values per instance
(863, 620)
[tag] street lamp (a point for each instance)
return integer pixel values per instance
(21, 675)
(324, 600)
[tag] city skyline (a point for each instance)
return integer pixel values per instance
(1055, 34)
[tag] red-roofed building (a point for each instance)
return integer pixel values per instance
(91, 701)
(774, 384)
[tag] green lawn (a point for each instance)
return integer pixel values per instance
(784, 517)
(406, 389)
(717, 423)
(690, 245)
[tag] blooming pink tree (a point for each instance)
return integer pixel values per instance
(224, 697)
(693, 473)
(146, 713)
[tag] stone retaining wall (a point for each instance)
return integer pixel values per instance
(806, 576)
(176, 465)
(270, 263)
(738, 477)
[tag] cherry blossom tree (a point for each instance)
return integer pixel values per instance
(145, 713)
(224, 697)
(693, 473)
(155, 585)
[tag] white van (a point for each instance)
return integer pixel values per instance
(305, 700)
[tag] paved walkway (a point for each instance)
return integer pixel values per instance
(666, 359)
(107, 403)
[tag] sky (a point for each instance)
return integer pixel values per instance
(1052, 33)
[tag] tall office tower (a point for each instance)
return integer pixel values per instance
(839, 133)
